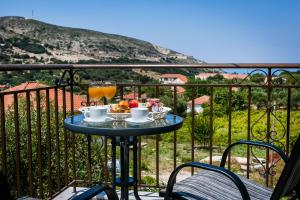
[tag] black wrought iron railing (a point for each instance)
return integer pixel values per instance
(41, 158)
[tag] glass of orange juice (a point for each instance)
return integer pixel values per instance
(95, 90)
(109, 89)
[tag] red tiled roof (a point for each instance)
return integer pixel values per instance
(9, 99)
(200, 100)
(134, 95)
(26, 85)
(180, 90)
(183, 78)
(232, 76)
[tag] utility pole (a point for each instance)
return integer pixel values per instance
(32, 13)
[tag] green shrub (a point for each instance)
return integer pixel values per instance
(28, 45)
(148, 180)
(186, 159)
(144, 166)
(202, 129)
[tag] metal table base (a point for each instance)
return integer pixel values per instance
(125, 180)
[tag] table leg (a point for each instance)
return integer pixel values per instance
(135, 170)
(124, 154)
(113, 162)
(125, 143)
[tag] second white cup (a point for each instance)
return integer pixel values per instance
(139, 114)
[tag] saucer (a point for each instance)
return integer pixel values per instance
(130, 121)
(89, 120)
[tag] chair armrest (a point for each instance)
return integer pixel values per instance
(252, 143)
(234, 178)
(111, 194)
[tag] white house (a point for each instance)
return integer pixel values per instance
(173, 79)
(198, 102)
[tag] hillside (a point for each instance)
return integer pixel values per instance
(30, 41)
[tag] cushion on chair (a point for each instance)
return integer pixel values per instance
(213, 185)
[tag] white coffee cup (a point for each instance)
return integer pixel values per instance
(140, 114)
(95, 113)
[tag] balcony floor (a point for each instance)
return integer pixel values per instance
(68, 194)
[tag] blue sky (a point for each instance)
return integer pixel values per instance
(211, 30)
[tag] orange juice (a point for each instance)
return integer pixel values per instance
(96, 92)
(109, 91)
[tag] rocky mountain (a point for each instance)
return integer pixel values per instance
(30, 41)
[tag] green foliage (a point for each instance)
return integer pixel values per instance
(291, 77)
(181, 105)
(4, 58)
(199, 91)
(221, 101)
(148, 180)
(259, 97)
(238, 99)
(169, 71)
(28, 45)
(185, 159)
(201, 128)
(57, 61)
(257, 78)
(144, 166)
(217, 78)
(18, 77)
(295, 99)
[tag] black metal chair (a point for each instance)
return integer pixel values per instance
(4, 189)
(111, 194)
(219, 183)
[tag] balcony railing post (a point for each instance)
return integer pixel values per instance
(248, 129)
(29, 143)
(211, 113)
(157, 145)
(39, 145)
(229, 105)
(269, 107)
(3, 135)
(288, 119)
(57, 134)
(71, 74)
(17, 143)
(89, 140)
(121, 92)
(106, 173)
(175, 134)
(66, 168)
(48, 138)
(193, 126)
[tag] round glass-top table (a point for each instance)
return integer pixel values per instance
(126, 134)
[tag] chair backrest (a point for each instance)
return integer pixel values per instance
(289, 180)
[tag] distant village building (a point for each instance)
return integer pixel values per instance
(9, 99)
(173, 79)
(198, 103)
(276, 79)
(180, 90)
(204, 76)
